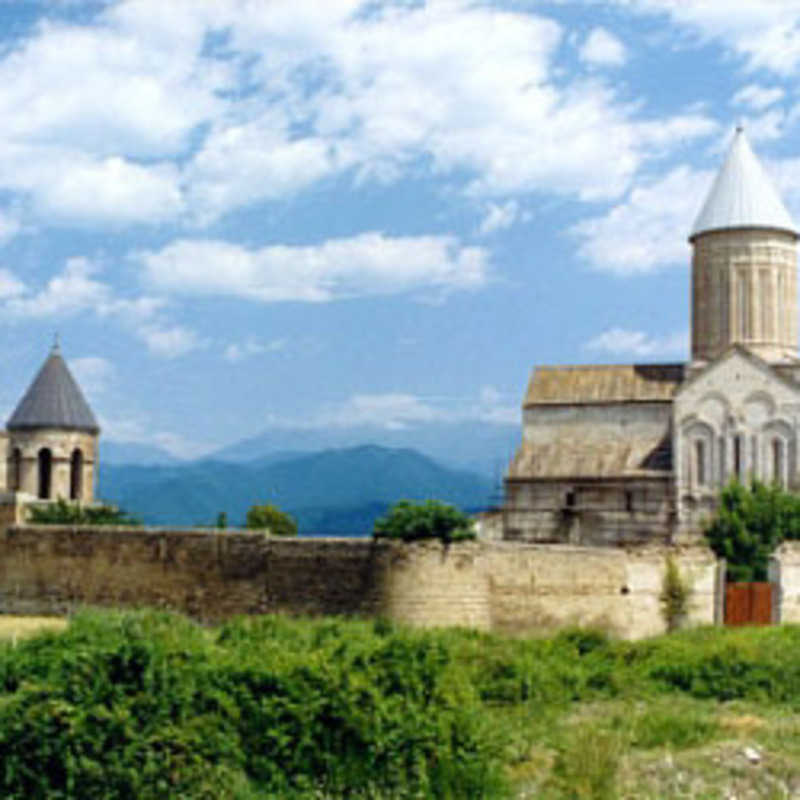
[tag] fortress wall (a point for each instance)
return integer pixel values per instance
(511, 587)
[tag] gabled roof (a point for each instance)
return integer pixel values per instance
(54, 400)
(742, 195)
(603, 383)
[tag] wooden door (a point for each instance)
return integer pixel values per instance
(748, 604)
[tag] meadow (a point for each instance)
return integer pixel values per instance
(147, 704)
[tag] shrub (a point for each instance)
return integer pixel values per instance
(429, 520)
(674, 597)
(63, 513)
(270, 517)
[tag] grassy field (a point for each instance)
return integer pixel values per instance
(147, 704)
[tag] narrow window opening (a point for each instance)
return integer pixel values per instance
(723, 467)
(45, 472)
(629, 501)
(570, 500)
(777, 461)
(16, 470)
(76, 475)
(754, 457)
(737, 456)
(700, 462)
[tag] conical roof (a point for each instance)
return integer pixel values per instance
(742, 195)
(54, 400)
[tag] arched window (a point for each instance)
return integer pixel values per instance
(76, 475)
(16, 469)
(45, 472)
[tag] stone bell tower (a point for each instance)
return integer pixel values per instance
(744, 264)
(52, 437)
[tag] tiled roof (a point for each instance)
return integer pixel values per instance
(54, 400)
(602, 383)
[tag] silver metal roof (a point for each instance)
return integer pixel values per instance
(742, 195)
(54, 400)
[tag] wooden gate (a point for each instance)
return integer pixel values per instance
(748, 604)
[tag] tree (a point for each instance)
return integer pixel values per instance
(749, 524)
(63, 513)
(268, 516)
(429, 520)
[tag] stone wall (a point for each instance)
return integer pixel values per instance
(511, 587)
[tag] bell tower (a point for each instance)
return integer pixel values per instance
(744, 264)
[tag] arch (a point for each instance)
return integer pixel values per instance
(698, 452)
(779, 452)
(16, 469)
(45, 459)
(76, 474)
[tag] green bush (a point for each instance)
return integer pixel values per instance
(674, 597)
(429, 520)
(271, 518)
(63, 513)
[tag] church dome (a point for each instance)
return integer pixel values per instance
(54, 400)
(742, 196)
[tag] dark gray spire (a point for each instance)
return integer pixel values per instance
(54, 400)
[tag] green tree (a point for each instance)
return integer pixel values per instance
(271, 517)
(429, 520)
(749, 524)
(63, 513)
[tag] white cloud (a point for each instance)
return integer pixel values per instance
(758, 97)
(622, 342)
(602, 48)
(9, 227)
(77, 290)
(764, 32)
(649, 229)
(499, 216)
(239, 351)
(369, 264)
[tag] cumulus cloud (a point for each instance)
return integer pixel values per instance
(78, 290)
(638, 344)
(93, 374)
(765, 33)
(368, 264)
(602, 48)
(649, 229)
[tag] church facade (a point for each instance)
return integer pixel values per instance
(618, 454)
(50, 442)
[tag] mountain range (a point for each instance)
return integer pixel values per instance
(335, 491)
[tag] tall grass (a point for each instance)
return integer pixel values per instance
(147, 705)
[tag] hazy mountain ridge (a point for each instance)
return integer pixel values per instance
(333, 491)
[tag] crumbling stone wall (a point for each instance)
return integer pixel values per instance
(511, 587)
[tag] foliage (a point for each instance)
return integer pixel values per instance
(222, 520)
(278, 522)
(63, 513)
(674, 597)
(749, 524)
(429, 520)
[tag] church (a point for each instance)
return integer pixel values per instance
(50, 443)
(633, 453)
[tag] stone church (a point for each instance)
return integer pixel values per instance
(638, 452)
(50, 442)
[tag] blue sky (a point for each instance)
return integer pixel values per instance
(244, 214)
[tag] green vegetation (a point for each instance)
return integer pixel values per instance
(750, 523)
(674, 597)
(150, 705)
(429, 520)
(268, 517)
(63, 513)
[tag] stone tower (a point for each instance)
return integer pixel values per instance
(52, 447)
(744, 264)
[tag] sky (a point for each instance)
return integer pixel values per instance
(240, 215)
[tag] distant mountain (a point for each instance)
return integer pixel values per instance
(133, 453)
(334, 491)
(478, 446)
